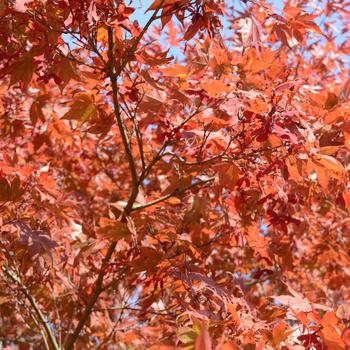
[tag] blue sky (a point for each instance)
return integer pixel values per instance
(142, 16)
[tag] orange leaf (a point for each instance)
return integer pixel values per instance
(215, 87)
(279, 333)
(177, 70)
(344, 94)
(102, 34)
(312, 27)
(293, 168)
(22, 70)
(113, 229)
(229, 346)
(161, 3)
(11, 191)
(258, 105)
(35, 111)
(235, 317)
(82, 109)
(322, 177)
(331, 101)
(203, 341)
(5, 190)
(334, 167)
(287, 85)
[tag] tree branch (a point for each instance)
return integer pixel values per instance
(201, 162)
(127, 146)
(92, 300)
(48, 334)
(132, 116)
(98, 288)
(177, 191)
(167, 143)
(131, 51)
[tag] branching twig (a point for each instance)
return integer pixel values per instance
(160, 153)
(159, 312)
(202, 162)
(132, 116)
(132, 49)
(113, 75)
(47, 332)
(127, 145)
(176, 192)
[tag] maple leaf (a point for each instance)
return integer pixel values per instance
(35, 111)
(11, 190)
(343, 311)
(176, 70)
(298, 302)
(113, 229)
(187, 336)
(37, 243)
(215, 87)
(82, 109)
(210, 173)
(22, 70)
(5, 190)
(280, 333)
(344, 94)
(251, 32)
(63, 70)
(334, 168)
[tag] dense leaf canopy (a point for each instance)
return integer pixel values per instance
(174, 175)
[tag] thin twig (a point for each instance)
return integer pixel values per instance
(98, 287)
(160, 312)
(201, 162)
(160, 153)
(127, 145)
(48, 334)
(132, 116)
(132, 50)
(176, 192)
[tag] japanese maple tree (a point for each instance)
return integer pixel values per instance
(174, 174)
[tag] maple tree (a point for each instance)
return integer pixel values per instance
(177, 184)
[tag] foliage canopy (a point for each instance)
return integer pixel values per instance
(180, 184)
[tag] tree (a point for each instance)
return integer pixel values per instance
(177, 184)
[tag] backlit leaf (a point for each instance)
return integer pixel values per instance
(113, 230)
(82, 109)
